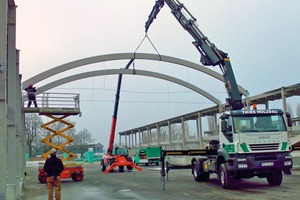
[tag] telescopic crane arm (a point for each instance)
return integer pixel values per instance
(115, 114)
(210, 55)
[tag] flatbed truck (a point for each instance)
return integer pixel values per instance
(147, 155)
(251, 142)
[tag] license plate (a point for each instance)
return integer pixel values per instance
(267, 164)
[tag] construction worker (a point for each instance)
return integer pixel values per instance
(31, 95)
(53, 167)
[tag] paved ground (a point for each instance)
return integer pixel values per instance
(147, 185)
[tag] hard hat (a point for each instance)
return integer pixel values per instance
(52, 151)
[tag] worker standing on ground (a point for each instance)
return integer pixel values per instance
(31, 95)
(53, 167)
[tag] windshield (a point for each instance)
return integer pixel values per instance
(258, 123)
(121, 151)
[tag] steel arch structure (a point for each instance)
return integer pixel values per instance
(121, 56)
(128, 72)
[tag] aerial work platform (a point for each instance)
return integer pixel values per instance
(56, 106)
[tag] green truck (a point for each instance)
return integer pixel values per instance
(147, 155)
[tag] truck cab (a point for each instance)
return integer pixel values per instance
(253, 143)
(254, 131)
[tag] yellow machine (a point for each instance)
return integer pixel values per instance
(47, 140)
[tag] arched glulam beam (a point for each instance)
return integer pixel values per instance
(129, 72)
(121, 56)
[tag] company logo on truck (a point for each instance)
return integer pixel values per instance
(259, 111)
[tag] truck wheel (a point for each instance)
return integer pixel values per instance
(102, 166)
(198, 172)
(275, 178)
(225, 180)
(121, 168)
(129, 167)
(42, 178)
(77, 177)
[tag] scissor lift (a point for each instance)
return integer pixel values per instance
(47, 140)
(58, 106)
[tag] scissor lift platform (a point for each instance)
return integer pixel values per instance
(55, 104)
(58, 106)
(75, 171)
(53, 111)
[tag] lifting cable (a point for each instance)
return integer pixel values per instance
(146, 36)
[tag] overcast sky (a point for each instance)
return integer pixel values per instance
(262, 39)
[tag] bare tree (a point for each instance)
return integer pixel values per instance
(145, 137)
(176, 129)
(33, 124)
(82, 138)
(153, 135)
(164, 134)
(186, 130)
(58, 126)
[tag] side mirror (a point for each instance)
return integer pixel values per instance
(224, 126)
(290, 123)
(289, 119)
(223, 116)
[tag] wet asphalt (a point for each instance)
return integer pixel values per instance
(148, 184)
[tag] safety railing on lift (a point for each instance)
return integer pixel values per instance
(54, 103)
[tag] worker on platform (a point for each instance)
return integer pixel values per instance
(31, 95)
(53, 167)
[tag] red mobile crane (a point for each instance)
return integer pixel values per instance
(118, 156)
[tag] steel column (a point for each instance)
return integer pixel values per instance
(3, 96)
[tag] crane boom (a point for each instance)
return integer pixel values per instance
(115, 114)
(118, 156)
(210, 55)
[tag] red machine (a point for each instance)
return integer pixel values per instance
(71, 170)
(118, 156)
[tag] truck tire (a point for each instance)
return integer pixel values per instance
(121, 168)
(77, 177)
(225, 180)
(42, 178)
(275, 178)
(102, 166)
(129, 167)
(198, 172)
